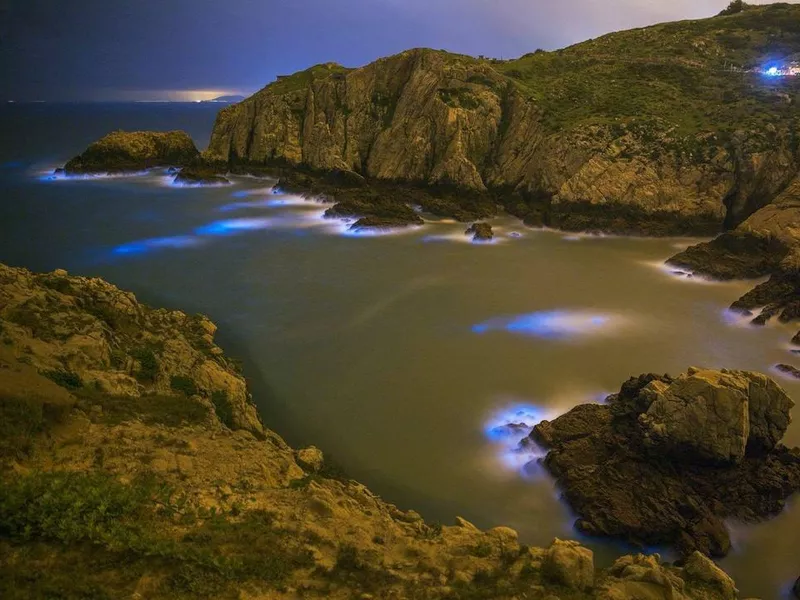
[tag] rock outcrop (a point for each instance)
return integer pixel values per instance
(123, 151)
(796, 588)
(666, 460)
(123, 474)
(86, 332)
(767, 244)
(199, 176)
(480, 232)
(593, 137)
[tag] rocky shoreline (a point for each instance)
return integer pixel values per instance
(666, 460)
(133, 464)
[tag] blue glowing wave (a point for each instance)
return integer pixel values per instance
(143, 246)
(556, 324)
(232, 226)
(508, 429)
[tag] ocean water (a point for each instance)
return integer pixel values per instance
(402, 356)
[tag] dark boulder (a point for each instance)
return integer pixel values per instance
(199, 176)
(480, 232)
(667, 460)
(796, 588)
(789, 370)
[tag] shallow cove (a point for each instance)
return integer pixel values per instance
(397, 355)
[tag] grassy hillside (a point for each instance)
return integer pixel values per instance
(676, 72)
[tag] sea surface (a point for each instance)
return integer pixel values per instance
(398, 355)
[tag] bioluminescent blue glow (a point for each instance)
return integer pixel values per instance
(144, 246)
(736, 317)
(241, 194)
(773, 72)
(173, 182)
(53, 176)
(509, 428)
(556, 324)
(232, 226)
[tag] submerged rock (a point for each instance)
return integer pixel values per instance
(123, 151)
(480, 232)
(789, 370)
(666, 460)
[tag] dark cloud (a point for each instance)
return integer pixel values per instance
(76, 49)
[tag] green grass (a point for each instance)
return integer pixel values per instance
(22, 419)
(673, 72)
(65, 378)
(126, 527)
(301, 80)
(148, 364)
(184, 385)
(151, 409)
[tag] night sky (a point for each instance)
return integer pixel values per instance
(193, 49)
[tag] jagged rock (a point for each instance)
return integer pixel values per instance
(480, 232)
(714, 416)
(569, 564)
(788, 370)
(91, 333)
(135, 151)
(311, 458)
(644, 466)
(767, 243)
(701, 570)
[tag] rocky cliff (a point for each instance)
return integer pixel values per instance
(133, 465)
(646, 131)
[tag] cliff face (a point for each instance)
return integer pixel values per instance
(126, 473)
(666, 131)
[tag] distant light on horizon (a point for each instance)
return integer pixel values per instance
(165, 95)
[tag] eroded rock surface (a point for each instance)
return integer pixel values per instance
(667, 459)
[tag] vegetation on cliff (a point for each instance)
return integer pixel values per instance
(132, 464)
(661, 130)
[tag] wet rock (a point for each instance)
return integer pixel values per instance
(789, 370)
(666, 460)
(199, 176)
(569, 564)
(480, 232)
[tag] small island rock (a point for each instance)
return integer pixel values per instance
(127, 151)
(481, 232)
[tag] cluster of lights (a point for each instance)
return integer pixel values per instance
(792, 70)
